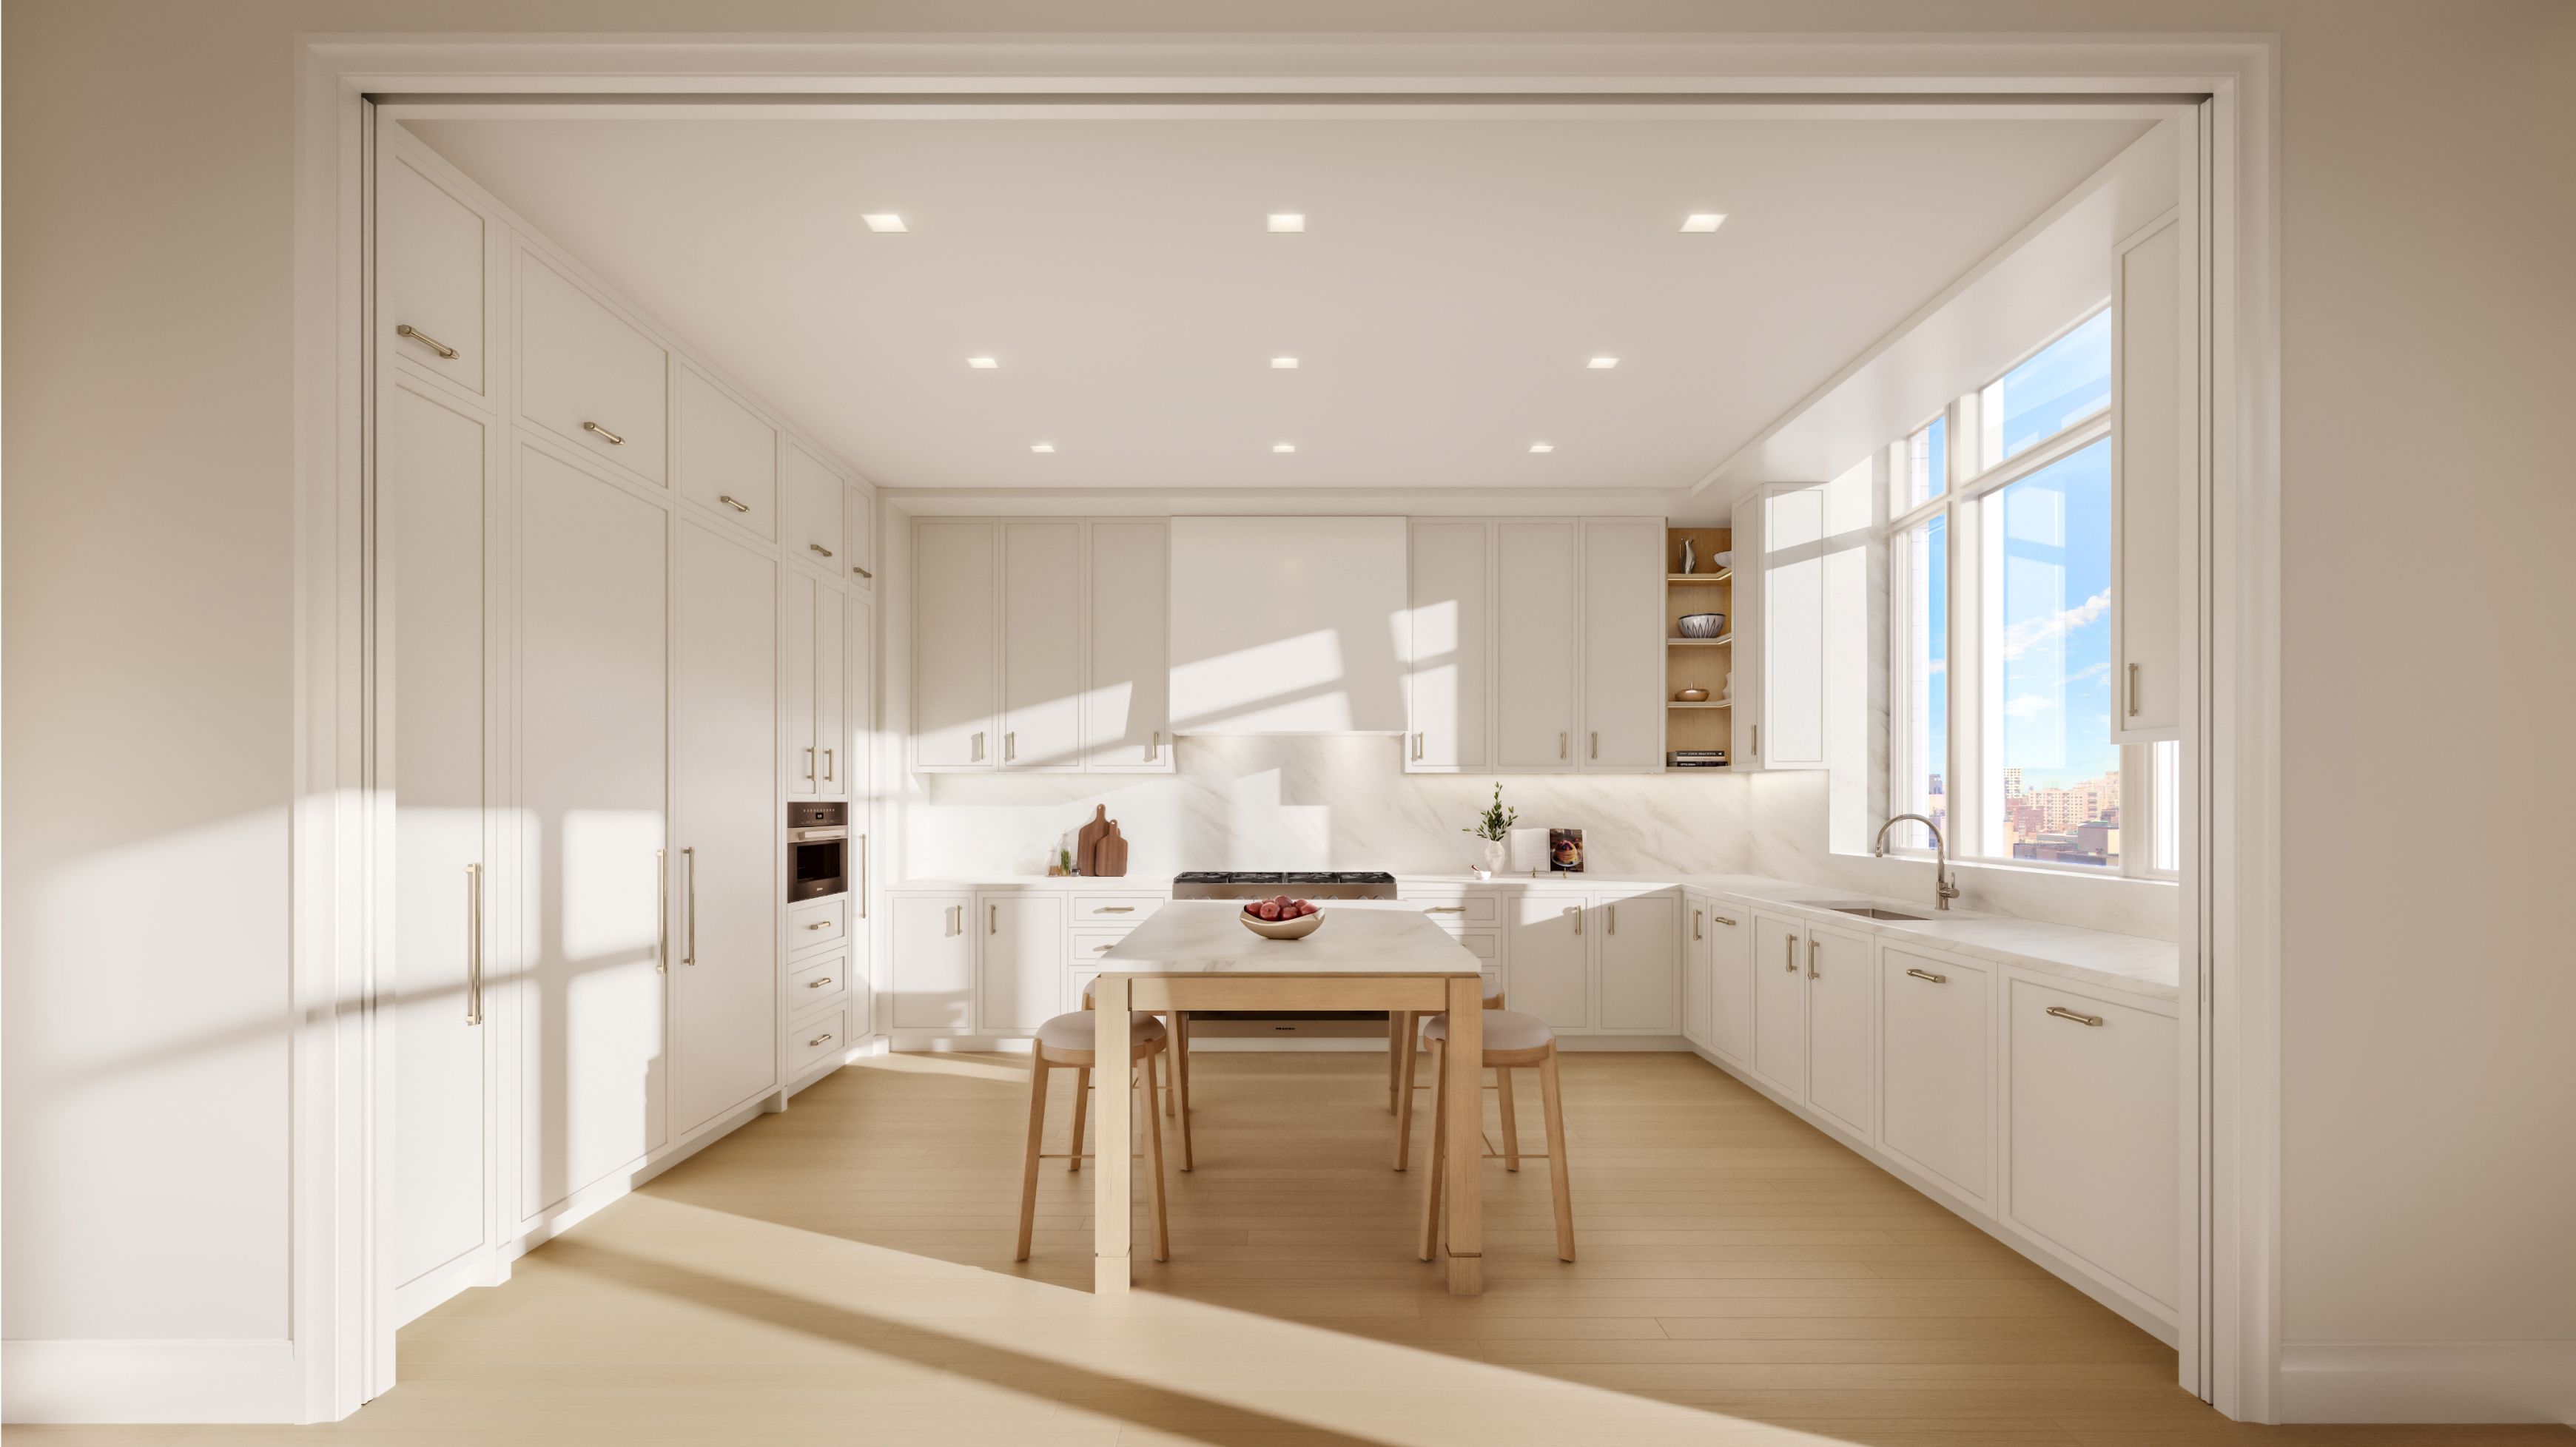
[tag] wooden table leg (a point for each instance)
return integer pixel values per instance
(1462, 1067)
(1113, 1134)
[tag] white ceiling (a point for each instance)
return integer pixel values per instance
(1454, 278)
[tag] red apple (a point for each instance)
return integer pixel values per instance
(1267, 910)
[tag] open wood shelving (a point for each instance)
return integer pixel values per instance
(1698, 662)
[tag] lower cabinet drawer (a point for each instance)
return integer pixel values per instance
(811, 1042)
(1458, 908)
(2091, 1134)
(817, 922)
(1090, 944)
(815, 983)
(1120, 911)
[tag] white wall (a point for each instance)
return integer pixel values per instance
(2429, 1163)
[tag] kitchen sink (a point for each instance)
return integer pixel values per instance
(1871, 911)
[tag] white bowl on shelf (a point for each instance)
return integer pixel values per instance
(1282, 929)
(1701, 625)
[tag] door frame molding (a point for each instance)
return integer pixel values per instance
(338, 833)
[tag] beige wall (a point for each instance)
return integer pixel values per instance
(2430, 1154)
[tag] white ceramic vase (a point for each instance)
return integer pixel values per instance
(1489, 859)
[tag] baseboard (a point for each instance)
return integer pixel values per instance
(2428, 1381)
(126, 1382)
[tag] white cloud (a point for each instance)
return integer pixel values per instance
(2086, 675)
(2030, 633)
(2029, 705)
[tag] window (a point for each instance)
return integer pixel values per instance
(2001, 579)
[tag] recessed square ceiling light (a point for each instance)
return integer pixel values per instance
(883, 221)
(1283, 364)
(1542, 447)
(1602, 364)
(1283, 446)
(1287, 221)
(1041, 447)
(982, 364)
(1703, 221)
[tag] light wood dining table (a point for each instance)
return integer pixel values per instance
(1194, 955)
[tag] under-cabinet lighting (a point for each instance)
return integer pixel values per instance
(982, 364)
(1703, 221)
(1287, 221)
(883, 221)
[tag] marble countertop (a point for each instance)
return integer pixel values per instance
(2129, 963)
(1358, 937)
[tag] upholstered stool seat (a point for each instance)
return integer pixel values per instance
(1403, 1033)
(1176, 1077)
(1511, 1039)
(1504, 1030)
(1069, 1034)
(1071, 1042)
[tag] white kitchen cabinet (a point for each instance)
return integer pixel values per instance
(2092, 1132)
(592, 761)
(1744, 655)
(812, 697)
(933, 965)
(587, 376)
(433, 260)
(448, 909)
(1780, 1003)
(1730, 981)
(1791, 588)
(724, 825)
(859, 554)
(1638, 950)
(1695, 961)
(723, 456)
(1041, 644)
(1284, 625)
(1623, 645)
(1936, 1067)
(810, 509)
(1447, 622)
(1547, 960)
(1020, 965)
(955, 622)
(2155, 430)
(859, 734)
(1126, 693)
(1538, 587)
(1839, 1058)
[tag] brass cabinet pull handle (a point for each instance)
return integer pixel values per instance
(862, 572)
(1115, 909)
(661, 911)
(1577, 912)
(1756, 750)
(1928, 975)
(1596, 745)
(818, 984)
(957, 919)
(992, 919)
(1444, 909)
(818, 1040)
(818, 547)
(1811, 959)
(1614, 919)
(2133, 690)
(827, 766)
(1154, 750)
(425, 339)
(809, 763)
(2062, 1013)
(613, 439)
(1560, 743)
(689, 862)
(1791, 952)
(1697, 932)
(1417, 748)
(474, 944)
(728, 500)
(820, 924)
(1102, 949)
(1010, 745)
(1722, 919)
(975, 753)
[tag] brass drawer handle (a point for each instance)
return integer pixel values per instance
(426, 340)
(818, 984)
(1444, 909)
(1928, 975)
(728, 500)
(818, 1040)
(818, 547)
(1102, 949)
(862, 572)
(613, 439)
(1722, 919)
(2062, 1013)
(820, 924)
(1115, 909)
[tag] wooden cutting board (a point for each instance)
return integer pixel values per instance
(1110, 861)
(1086, 840)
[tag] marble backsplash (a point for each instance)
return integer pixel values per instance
(1318, 802)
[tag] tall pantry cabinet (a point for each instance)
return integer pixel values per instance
(611, 621)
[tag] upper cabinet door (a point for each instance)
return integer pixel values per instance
(586, 374)
(833, 770)
(432, 259)
(726, 458)
(1126, 712)
(1448, 620)
(1744, 656)
(2158, 434)
(1623, 645)
(810, 500)
(860, 508)
(796, 689)
(1793, 628)
(955, 673)
(1041, 645)
(1538, 576)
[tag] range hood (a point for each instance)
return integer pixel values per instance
(1288, 625)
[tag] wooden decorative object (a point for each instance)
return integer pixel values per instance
(1109, 858)
(1086, 841)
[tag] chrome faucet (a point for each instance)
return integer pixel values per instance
(1943, 891)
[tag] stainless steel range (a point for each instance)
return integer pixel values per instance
(1262, 884)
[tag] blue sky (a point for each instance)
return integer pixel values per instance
(2055, 529)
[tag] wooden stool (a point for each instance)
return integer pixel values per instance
(1401, 1027)
(1176, 1092)
(1511, 1039)
(1066, 1042)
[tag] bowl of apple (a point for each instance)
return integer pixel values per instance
(1282, 918)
